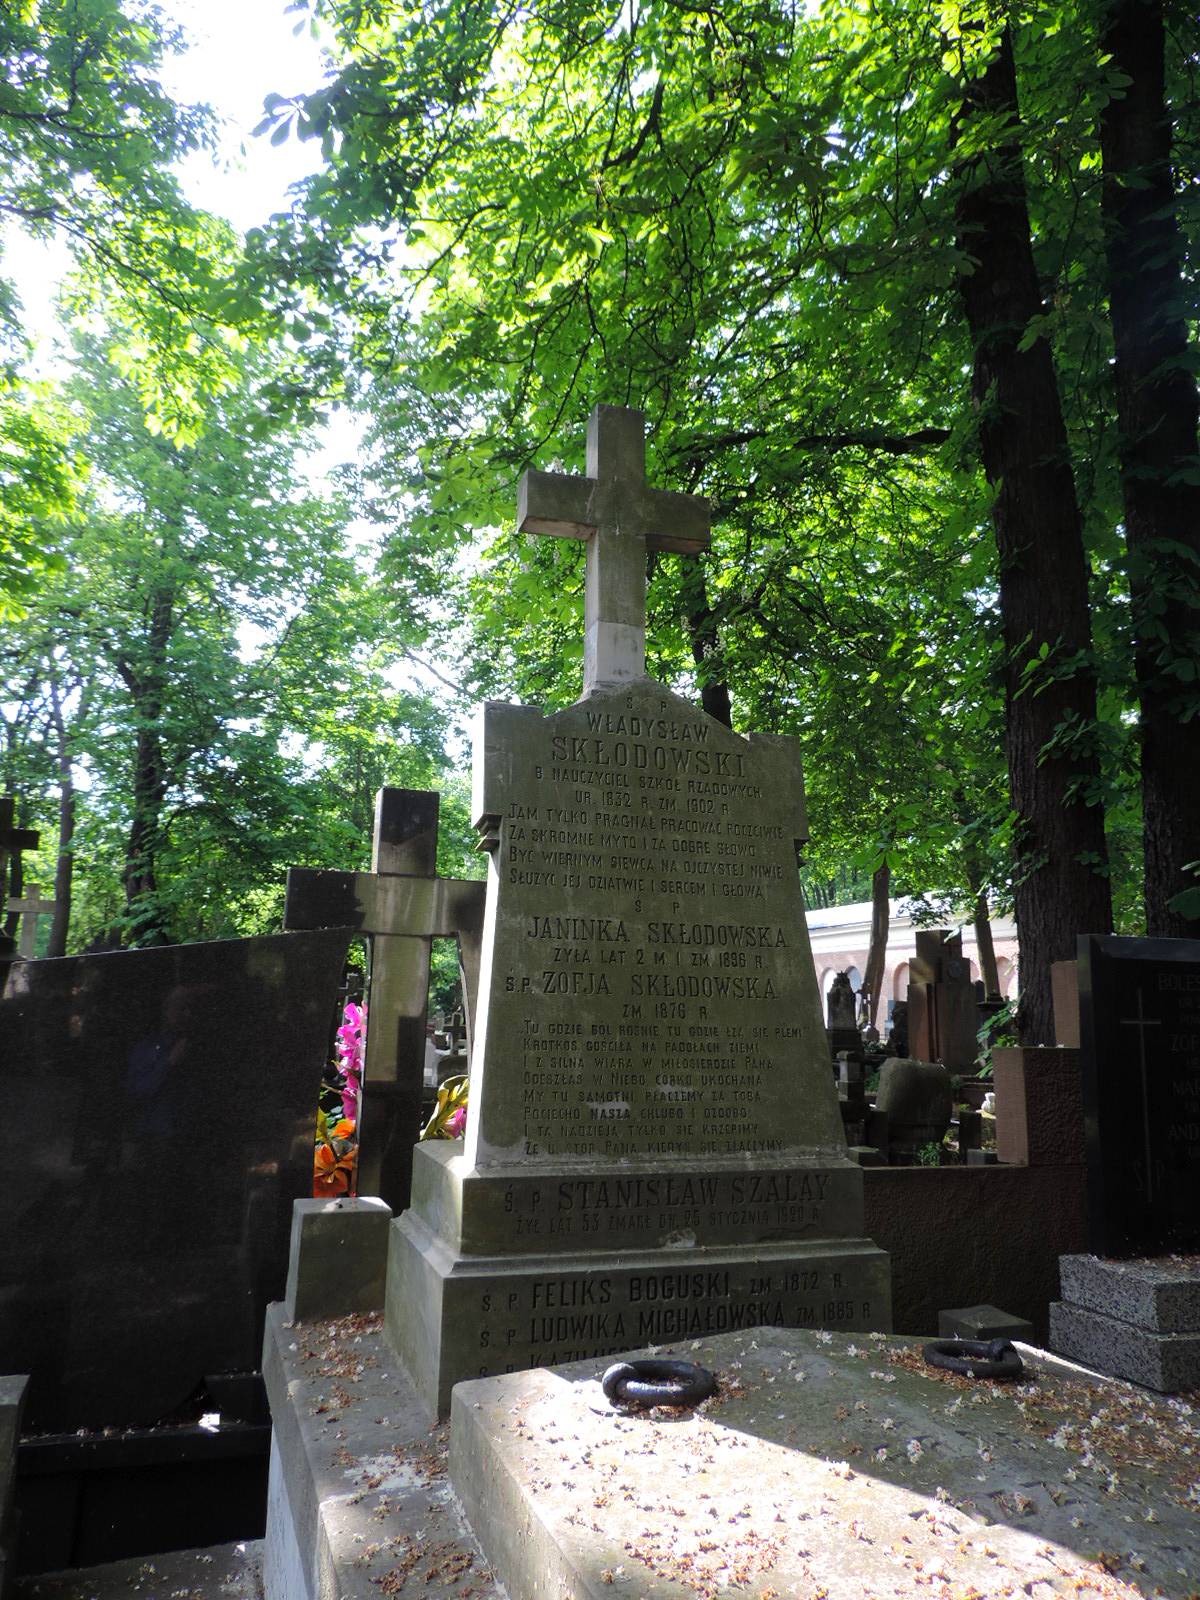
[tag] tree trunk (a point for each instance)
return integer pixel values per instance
(881, 918)
(144, 914)
(1157, 426)
(702, 632)
(64, 870)
(1061, 887)
(65, 864)
(988, 970)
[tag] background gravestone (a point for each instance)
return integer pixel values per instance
(167, 1103)
(1139, 1003)
(402, 905)
(942, 1011)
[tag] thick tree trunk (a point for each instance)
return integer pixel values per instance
(64, 870)
(1061, 887)
(1157, 422)
(986, 949)
(881, 917)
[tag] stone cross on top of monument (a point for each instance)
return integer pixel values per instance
(620, 517)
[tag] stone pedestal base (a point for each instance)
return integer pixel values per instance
(1138, 1320)
(1166, 1362)
(451, 1317)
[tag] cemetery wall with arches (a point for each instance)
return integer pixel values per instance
(841, 936)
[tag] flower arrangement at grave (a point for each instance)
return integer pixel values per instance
(448, 1119)
(336, 1155)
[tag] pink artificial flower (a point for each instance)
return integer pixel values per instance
(457, 1124)
(350, 1094)
(351, 1044)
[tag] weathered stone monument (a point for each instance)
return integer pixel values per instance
(13, 841)
(403, 906)
(942, 1021)
(843, 1026)
(654, 1148)
(30, 906)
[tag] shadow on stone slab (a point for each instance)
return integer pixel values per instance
(836, 1462)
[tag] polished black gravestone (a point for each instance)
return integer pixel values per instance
(160, 1108)
(1139, 1004)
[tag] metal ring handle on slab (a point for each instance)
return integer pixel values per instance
(658, 1383)
(975, 1358)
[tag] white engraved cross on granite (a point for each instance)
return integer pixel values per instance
(620, 517)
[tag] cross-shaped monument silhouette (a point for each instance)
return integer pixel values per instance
(404, 906)
(620, 518)
(31, 906)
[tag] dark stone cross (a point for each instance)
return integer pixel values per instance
(403, 906)
(620, 518)
(12, 842)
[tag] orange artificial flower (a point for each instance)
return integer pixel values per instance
(331, 1172)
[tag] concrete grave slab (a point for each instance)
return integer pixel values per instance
(833, 1466)
(218, 1572)
(359, 1502)
(12, 1400)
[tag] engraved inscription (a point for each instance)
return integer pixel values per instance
(651, 973)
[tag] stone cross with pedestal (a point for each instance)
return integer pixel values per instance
(654, 1148)
(13, 841)
(403, 905)
(31, 905)
(619, 518)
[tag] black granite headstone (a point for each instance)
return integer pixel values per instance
(160, 1109)
(1139, 1003)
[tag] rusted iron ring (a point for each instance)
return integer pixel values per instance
(975, 1358)
(658, 1383)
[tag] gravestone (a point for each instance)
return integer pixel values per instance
(653, 1145)
(403, 906)
(942, 1022)
(13, 841)
(168, 1100)
(30, 906)
(1138, 1316)
(843, 1024)
(1140, 1036)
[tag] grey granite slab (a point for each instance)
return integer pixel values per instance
(1161, 1294)
(338, 1258)
(1167, 1362)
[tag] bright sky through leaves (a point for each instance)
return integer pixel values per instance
(240, 51)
